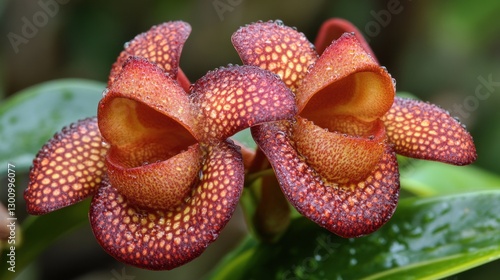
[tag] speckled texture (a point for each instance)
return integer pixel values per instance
(165, 239)
(162, 44)
(349, 210)
(233, 98)
(67, 169)
(277, 48)
(422, 130)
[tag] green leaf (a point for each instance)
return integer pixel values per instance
(428, 178)
(33, 115)
(39, 232)
(427, 238)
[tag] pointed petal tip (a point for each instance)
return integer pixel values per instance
(334, 28)
(161, 44)
(422, 130)
(67, 169)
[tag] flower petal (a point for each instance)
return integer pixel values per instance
(333, 28)
(348, 210)
(425, 131)
(346, 81)
(157, 185)
(67, 169)
(160, 239)
(338, 157)
(162, 44)
(236, 97)
(145, 115)
(277, 48)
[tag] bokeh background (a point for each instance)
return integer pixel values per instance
(441, 51)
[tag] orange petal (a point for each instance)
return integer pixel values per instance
(67, 169)
(338, 157)
(236, 97)
(425, 131)
(348, 210)
(277, 48)
(160, 239)
(162, 44)
(333, 28)
(157, 185)
(145, 115)
(346, 81)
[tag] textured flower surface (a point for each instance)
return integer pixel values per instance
(336, 161)
(164, 178)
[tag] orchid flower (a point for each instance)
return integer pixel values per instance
(163, 176)
(336, 161)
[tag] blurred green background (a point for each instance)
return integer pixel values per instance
(444, 52)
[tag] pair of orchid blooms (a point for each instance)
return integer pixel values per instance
(165, 177)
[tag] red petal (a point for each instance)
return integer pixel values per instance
(167, 239)
(67, 169)
(183, 80)
(277, 48)
(333, 28)
(425, 131)
(146, 115)
(236, 97)
(349, 210)
(345, 81)
(162, 44)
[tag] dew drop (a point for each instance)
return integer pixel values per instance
(279, 22)
(105, 92)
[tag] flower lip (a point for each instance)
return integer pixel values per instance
(339, 157)
(145, 115)
(162, 184)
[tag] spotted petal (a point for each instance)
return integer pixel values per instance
(67, 169)
(345, 81)
(277, 48)
(333, 28)
(162, 44)
(236, 97)
(425, 131)
(349, 210)
(161, 239)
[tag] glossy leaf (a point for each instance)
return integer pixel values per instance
(428, 178)
(427, 238)
(33, 115)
